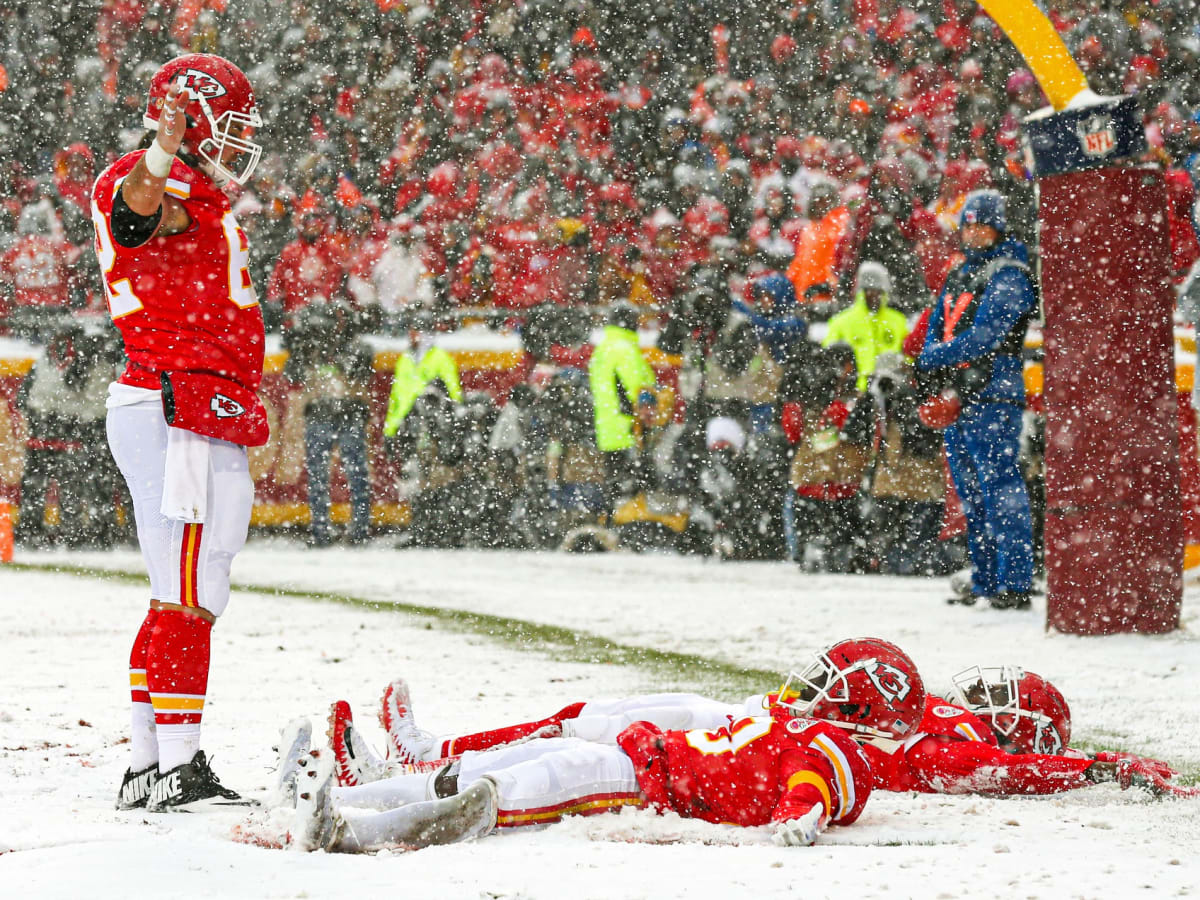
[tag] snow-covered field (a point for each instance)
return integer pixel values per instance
(64, 707)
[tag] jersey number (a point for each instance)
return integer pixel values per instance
(241, 290)
(122, 300)
(730, 738)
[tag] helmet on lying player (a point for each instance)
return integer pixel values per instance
(1027, 712)
(867, 685)
(220, 109)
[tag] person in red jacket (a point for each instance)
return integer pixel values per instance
(36, 271)
(797, 768)
(309, 267)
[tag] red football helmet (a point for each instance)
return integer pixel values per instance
(1027, 712)
(867, 685)
(220, 108)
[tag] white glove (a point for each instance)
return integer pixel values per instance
(801, 832)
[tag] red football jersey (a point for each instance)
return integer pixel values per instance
(890, 761)
(752, 771)
(182, 302)
(955, 752)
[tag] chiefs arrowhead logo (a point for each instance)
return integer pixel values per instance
(200, 84)
(890, 681)
(225, 407)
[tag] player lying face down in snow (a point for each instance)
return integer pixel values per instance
(1002, 732)
(796, 770)
(1005, 732)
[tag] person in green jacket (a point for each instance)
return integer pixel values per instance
(410, 378)
(621, 381)
(869, 325)
(622, 385)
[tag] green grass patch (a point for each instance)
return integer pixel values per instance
(666, 669)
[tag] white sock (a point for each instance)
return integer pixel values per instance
(420, 824)
(143, 740)
(177, 744)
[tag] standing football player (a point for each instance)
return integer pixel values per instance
(174, 264)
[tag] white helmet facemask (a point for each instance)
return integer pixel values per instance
(230, 132)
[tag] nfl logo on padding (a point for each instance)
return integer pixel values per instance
(1097, 137)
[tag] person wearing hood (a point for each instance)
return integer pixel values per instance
(870, 326)
(973, 349)
(623, 396)
(773, 314)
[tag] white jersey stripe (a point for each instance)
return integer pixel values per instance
(966, 731)
(841, 772)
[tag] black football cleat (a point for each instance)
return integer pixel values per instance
(136, 787)
(190, 783)
(1011, 600)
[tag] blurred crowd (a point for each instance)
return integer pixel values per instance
(736, 175)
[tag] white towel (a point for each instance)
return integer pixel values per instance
(185, 485)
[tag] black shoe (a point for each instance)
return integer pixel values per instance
(188, 783)
(962, 599)
(136, 787)
(1011, 600)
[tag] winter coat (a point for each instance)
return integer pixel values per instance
(816, 252)
(618, 373)
(1002, 307)
(826, 465)
(725, 379)
(867, 333)
(409, 380)
(908, 456)
(782, 328)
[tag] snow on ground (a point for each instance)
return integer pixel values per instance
(63, 716)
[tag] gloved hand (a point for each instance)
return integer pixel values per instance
(801, 832)
(1139, 774)
(1155, 765)
(1136, 773)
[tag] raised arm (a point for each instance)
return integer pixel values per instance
(143, 190)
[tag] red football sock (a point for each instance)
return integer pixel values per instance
(142, 739)
(177, 675)
(482, 740)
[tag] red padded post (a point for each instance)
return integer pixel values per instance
(1114, 520)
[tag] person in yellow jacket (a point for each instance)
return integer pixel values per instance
(622, 385)
(410, 378)
(621, 381)
(868, 325)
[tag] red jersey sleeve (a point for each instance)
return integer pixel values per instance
(891, 765)
(949, 766)
(833, 755)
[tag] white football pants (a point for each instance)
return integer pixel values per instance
(537, 783)
(188, 563)
(601, 721)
